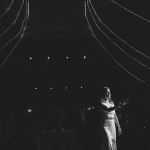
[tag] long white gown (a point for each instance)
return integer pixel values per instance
(107, 128)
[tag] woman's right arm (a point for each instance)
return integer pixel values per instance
(103, 107)
(115, 107)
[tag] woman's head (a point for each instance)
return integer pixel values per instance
(106, 92)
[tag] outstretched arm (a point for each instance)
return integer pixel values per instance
(103, 107)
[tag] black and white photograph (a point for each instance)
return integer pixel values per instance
(74, 75)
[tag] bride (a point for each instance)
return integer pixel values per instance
(108, 120)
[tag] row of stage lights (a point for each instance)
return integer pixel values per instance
(51, 88)
(82, 111)
(67, 57)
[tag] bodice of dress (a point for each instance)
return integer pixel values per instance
(107, 103)
(106, 114)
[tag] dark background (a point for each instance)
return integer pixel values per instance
(59, 29)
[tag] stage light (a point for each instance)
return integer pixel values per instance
(84, 57)
(51, 88)
(48, 57)
(89, 108)
(31, 58)
(66, 87)
(35, 88)
(67, 57)
(81, 87)
(29, 110)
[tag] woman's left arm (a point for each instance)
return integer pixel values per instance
(117, 123)
(116, 120)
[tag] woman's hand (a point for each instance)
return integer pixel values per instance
(124, 102)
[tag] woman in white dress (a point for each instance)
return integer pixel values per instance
(108, 120)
